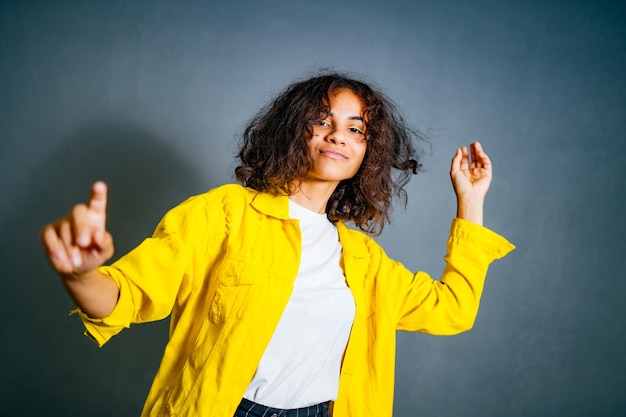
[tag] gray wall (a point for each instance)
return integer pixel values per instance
(149, 96)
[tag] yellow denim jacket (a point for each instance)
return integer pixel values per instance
(223, 265)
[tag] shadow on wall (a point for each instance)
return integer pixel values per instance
(48, 367)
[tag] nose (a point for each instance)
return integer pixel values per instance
(335, 137)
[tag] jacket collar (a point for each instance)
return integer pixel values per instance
(271, 205)
(278, 206)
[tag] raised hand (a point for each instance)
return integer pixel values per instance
(79, 242)
(471, 180)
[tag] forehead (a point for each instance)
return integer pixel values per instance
(346, 100)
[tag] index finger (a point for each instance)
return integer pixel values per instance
(97, 210)
(98, 199)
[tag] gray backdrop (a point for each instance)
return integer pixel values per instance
(149, 96)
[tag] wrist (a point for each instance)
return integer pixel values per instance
(470, 209)
(82, 277)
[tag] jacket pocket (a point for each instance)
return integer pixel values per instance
(234, 278)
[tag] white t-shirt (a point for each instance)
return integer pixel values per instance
(301, 364)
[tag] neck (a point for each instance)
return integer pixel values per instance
(313, 195)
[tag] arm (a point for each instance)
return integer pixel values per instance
(450, 305)
(471, 180)
(76, 246)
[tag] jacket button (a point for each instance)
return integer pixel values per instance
(274, 415)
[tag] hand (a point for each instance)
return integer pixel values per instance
(471, 180)
(79, 243)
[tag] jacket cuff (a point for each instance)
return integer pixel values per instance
(100, 330)
(493, 245)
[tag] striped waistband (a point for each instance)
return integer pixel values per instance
(249, 408)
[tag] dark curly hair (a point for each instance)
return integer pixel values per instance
(274, 151)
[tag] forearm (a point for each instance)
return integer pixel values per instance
(449, 305)
(95, 293)
(470, 209)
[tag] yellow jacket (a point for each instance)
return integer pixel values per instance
(223, 264)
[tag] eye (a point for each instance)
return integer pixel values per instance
(355, 129)
(324, 123)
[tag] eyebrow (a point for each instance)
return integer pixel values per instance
(349, 118)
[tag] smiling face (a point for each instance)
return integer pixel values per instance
(338, 143)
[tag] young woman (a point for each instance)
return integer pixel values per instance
(277, 307)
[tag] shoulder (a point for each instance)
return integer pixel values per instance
(220, 198)
(214, 202)
(367, 263)
(357, 243)
(228, 193)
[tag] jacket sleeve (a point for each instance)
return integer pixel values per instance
(450, 305)
(151, 276)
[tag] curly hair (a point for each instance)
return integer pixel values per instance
(274, 151)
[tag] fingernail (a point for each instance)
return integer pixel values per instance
(76, 259)
(83, 240)
(59, 255)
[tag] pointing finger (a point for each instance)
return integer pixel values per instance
(97, 210)
(98, 199)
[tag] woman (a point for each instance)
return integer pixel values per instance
(277, 308)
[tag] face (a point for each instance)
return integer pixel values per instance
(338, 144)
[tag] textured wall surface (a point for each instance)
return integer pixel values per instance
(150, 95)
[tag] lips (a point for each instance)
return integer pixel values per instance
(333, 154)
